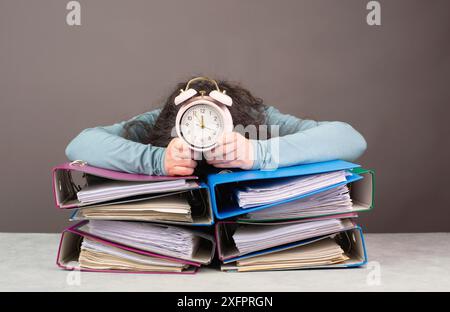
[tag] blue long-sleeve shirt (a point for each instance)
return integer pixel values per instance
(299, 141)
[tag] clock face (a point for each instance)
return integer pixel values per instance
(201, 125)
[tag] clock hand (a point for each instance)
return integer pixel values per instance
(195, 114)
(199, 125)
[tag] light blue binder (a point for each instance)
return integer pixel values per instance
(221, 185)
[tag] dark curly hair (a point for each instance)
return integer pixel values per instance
(246, 110)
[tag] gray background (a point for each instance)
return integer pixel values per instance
(316, 59)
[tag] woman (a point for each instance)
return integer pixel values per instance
(145, 144)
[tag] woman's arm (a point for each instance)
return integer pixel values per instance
(105, 147)
(306, 141)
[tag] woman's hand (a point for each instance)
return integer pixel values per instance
(232, 151)
(178, 158)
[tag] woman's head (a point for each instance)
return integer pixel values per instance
(246, 110)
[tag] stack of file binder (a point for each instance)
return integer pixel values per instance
(132, 223)
(297, 217)
(292, 218)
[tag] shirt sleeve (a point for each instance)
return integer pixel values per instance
(305, 141)
(105, 147)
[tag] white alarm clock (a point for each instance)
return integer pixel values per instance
(203, 118)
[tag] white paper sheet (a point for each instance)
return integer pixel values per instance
(162, 239)
(250, 238)
(128, 255)
(335, 200)
(323, 250)
(263, 192)
(110, 190)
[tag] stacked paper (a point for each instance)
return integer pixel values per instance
(250, 238)
(334, 201)
(168, 208)
(263, 193)
(321, 253)
(111, 190)
(98, 256)
(163, 239)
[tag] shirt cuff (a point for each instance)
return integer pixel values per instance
(258, 152)
(158, 162)
(267, 154)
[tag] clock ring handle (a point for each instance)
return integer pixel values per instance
(202, 78)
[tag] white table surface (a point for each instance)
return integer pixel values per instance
(406, 262)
